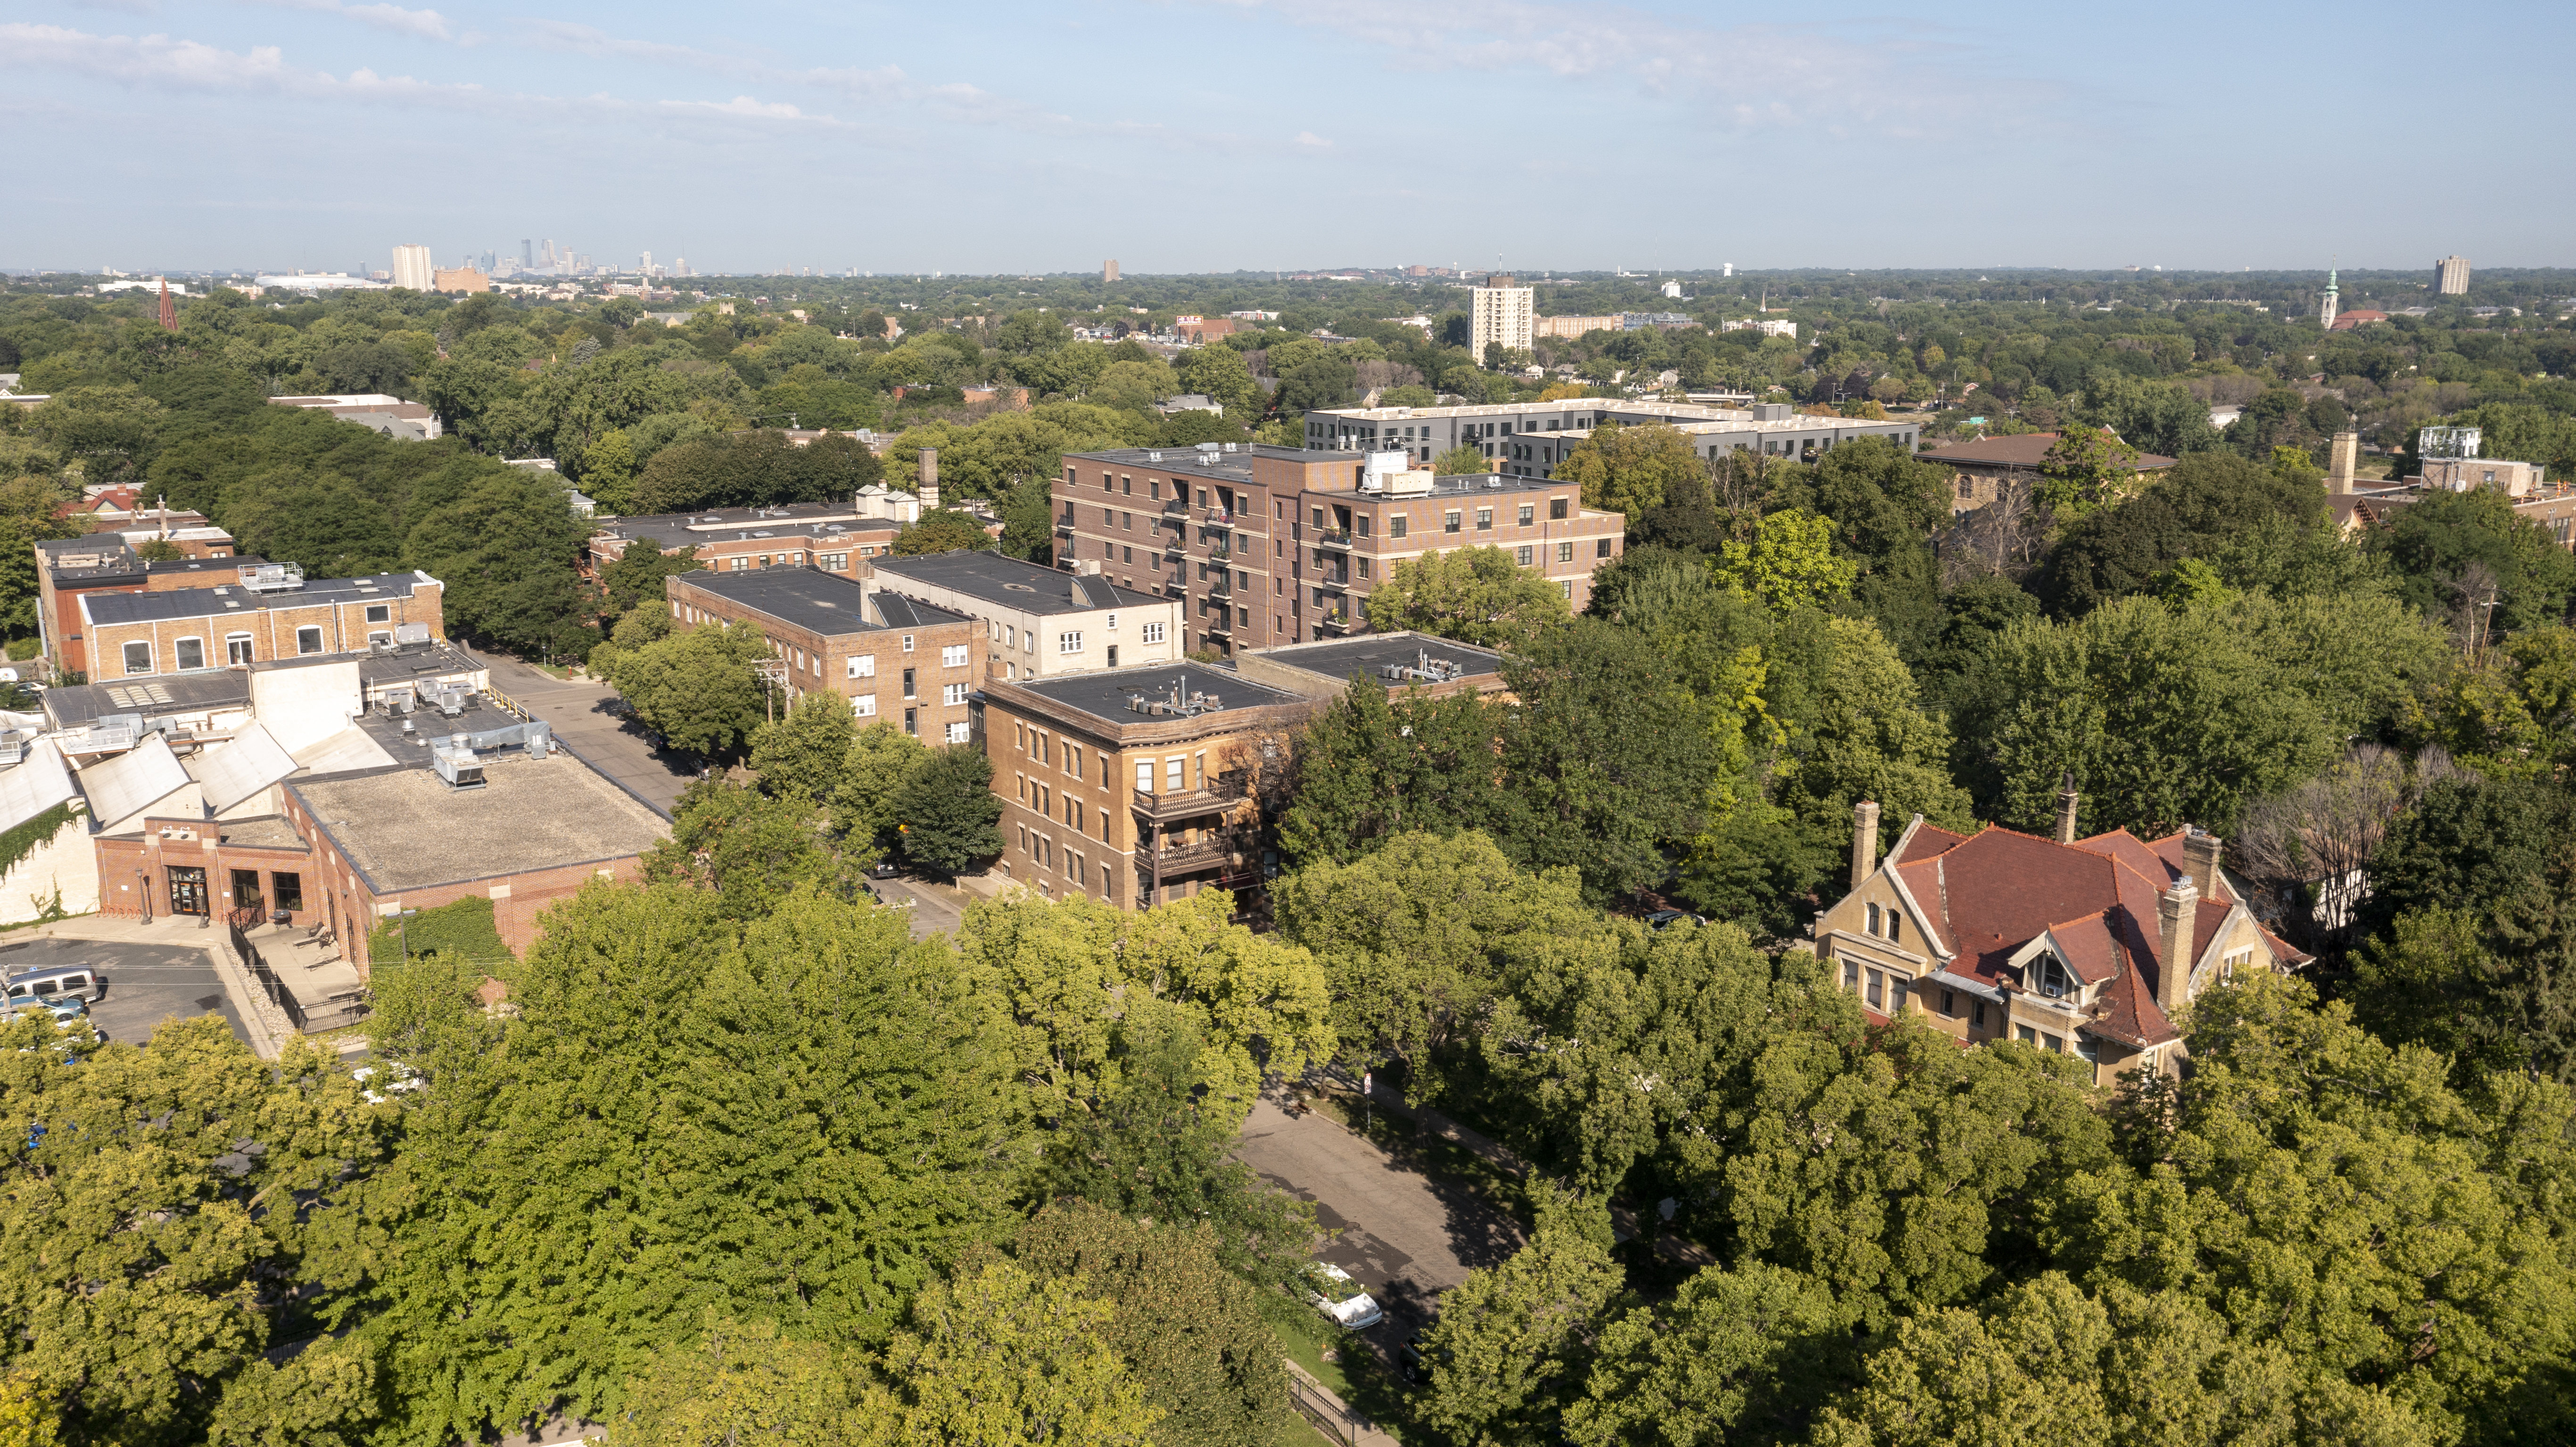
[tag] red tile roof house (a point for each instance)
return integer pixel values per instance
(2067, 944)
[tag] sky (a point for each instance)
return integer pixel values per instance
(1212, 135)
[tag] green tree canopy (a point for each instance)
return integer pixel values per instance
(1630, 470)
(1475, 595)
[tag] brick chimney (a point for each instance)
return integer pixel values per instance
(2067, 799)
(1864, 841)
(2200, 854)
(2346, 461)
(2176, 912)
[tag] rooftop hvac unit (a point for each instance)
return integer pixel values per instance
(1178, 703)
(411, 633)
(1424, 667)
(272, 577)
(456, 765)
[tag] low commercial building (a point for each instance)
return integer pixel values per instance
(1981, 469)
(1137, 786)
(1271, 545)
(2084, 946)
(1503, 432)
(409, 421)
(67, 568)
(1038, 622)
(824, 535)
(198, 710)
(2355, 503)
(269, 611)
(892, 657)
(1323, 670)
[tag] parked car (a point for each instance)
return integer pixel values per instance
(1336, 1295)
(1664, 918)
(886, 869)
(46, 985)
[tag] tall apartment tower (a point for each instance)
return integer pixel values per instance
(2451, 276)
(1109, 271)
(412, 267)
(2326, 312)
(1504, 312)
(527, 254)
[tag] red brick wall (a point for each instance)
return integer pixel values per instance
(825, 661)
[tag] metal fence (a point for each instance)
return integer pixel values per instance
(333, 1014)
(1320, 1407)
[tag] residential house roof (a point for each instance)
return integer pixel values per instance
(2025, 451)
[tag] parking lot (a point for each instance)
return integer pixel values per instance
(145, 984)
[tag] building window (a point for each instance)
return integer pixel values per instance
(285, 889)
(1144, 776)
(308, 640)
(1395, 526)
(380, 612)
(1873, 919)
(380, 639)
(1565, 552)
(237, 648)
(138, 658)
(952, 694)
(1449, 521)
(1529, 514)
(1601, 548)
(2026, 1034)
(1851, 975)
(907, 643)
(1556, 509)
(1877, 990)
(912, 721)
(740, 565)
(1566, 587)
(907, 683)
(1113, 655)
(1949, 1003)
(1484, 520)
(863, 665)
(190, 652)
(864, 706)
(957, 733)
(1977, 1014)
(1895, 928)
(1525, 555)
(1903, 988)
(953, 656)
(1068, 642)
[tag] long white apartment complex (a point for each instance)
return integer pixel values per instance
(1529, 438)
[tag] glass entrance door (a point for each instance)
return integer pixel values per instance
(187, 890)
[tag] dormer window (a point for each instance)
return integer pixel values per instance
(2051, 976)
(1873, 919)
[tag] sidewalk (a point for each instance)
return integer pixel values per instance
(1329, 1414)
(261, 1019)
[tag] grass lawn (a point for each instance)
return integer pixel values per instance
(1355, 1375)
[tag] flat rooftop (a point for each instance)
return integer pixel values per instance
(152, 696)
(1236, 464)
(1106, 695)
(402, 663)
(826, 604)
(730, 524)
(1009, 582)
(406, 829)
(232, 598)
(1339, 658)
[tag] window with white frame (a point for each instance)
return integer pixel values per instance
(1113, 622)
(308, 640)
(380, 612)
(1068, 642)
(953, 656)
(1144, 776)
(864, 706)
(1153, 632)
(863, 665)
(138, 658)
(957, 733)
(237, 648)
(907, 643)
(190, 653)
(952, 694)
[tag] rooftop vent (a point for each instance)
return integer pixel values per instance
(1179, 702)
(272, 577)
(411, 633)
(1424, 667)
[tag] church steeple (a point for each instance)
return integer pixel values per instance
(2326, 313)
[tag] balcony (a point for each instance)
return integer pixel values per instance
(1222, 625)
(1180, 505)
(1176, 545)
(1340, 582)
(1231, 855)
(1333, 623)
(1341, 539)
(1184, 803)
(1064, 524)
(1217, 515)
(1221, 585)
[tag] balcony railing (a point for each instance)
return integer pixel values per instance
(1221, 585)
(1208, 854)
(1334, 622)
(1217, 515)
(1339, 539)
(1179, 505)
(1185, 803)
(1334, 580)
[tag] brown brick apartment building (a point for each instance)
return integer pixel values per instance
(66, 568)
(829, 536)
(1134, 785)
(266, 612)
(1271, 545)
(892, 657)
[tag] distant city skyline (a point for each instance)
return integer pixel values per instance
(1191, 136)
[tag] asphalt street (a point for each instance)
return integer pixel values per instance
(146, 984)
(1405, 1236)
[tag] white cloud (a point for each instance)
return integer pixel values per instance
(1313, 142)
(743, 107)
(1879, 77)
(426, 24)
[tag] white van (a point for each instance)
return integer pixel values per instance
(48, 985)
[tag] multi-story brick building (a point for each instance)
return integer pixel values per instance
(1528, 438)
(268, 611)
(891, 656)
(1136, 786)
(2083, 946)
(1323, 670)
(827, 535)
(1038, 622)
(66, 568)
(1271, 545)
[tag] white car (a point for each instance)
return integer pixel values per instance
(1343, 1299)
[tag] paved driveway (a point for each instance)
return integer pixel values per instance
(1404, 1235)
(146, 984)
(580, 712)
